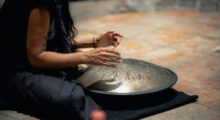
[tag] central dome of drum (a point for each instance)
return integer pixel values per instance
(131, 77)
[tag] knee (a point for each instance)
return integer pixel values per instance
(74, 99)
(77, 99)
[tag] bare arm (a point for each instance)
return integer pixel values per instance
(84, 42)
(38, 57)
(110, 38)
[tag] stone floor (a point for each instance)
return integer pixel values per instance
(187, 42)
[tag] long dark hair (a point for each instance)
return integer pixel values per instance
(68, 21)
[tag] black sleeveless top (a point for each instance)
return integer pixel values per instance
(13, 30)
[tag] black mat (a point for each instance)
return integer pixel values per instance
(137, 107)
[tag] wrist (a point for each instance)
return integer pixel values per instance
(85, 57)
(95, 42)
(75, 44)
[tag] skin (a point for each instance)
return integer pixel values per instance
(98, 115)
(109, 38)
(38, 57)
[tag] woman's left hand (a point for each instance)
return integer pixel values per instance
(110, 38)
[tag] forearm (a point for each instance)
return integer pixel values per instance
(57, 60)
(89, 42)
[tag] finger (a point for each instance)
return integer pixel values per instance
(110, 47)
(104, 59)
(115, 44)
(110, 32)
(105, 64)
(117, 34)
(108, 64)
(110, 59)
(115, 56)
(110, 51)
(116, 39)
(116, 60)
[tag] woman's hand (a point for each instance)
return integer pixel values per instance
(110, 38)
(103, 56)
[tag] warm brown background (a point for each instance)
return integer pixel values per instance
(183, 35)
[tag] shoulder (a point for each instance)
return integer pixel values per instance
(41, 5)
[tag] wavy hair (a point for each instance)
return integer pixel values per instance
(68, 21)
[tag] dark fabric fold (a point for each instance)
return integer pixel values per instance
(137, 107)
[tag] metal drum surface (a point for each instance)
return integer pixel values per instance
(131, 77)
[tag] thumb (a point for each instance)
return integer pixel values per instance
(110, 47)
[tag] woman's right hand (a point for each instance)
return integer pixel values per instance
(103, 56)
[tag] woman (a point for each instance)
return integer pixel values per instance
(40, 59)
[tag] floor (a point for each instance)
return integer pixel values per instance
(186, 42)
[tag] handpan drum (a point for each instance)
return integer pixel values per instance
(131, 77)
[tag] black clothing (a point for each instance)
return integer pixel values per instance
(14, 22)
(48, 95)
(45, 93)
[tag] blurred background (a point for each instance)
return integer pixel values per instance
(85, 8)
(182, 35)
